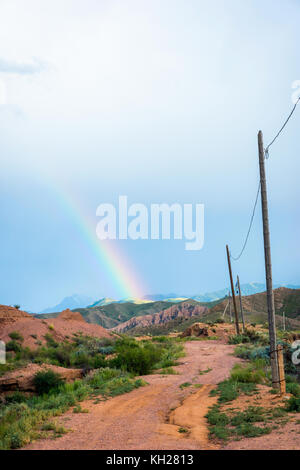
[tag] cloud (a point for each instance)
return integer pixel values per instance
(22, 68)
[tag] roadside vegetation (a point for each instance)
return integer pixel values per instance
(228, 422)
(110, 367)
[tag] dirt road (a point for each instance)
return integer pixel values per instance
(159, 416)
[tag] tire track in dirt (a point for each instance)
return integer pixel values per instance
(150, 417)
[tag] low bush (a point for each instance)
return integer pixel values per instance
(229, 390)
(293, 404)
(15, 335)
(293, 388)
(22, 422)
(14, 346)
(215, 417)
(47, 381)
(137, 358)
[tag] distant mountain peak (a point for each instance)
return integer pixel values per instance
(70, 302)
(102, 302)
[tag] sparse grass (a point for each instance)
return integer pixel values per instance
(183, 431)
(206, 371)
(249, 373)
(168, 371)
(249, 336)
(185, 385)
(198, 385)
(237, 424)
(78, 409)
(254, 420)
(23, 421)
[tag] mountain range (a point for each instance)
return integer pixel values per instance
(76, 301)
(71, 302)
(162, 316)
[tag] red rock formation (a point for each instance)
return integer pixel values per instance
(10, 315)
(69, 315)
(182, 310)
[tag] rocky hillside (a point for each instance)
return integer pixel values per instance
(182, 310)
(285, 299)
(255, 307)
(9, 315)
(34, 331)
(112, 314)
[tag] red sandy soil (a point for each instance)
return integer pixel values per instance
(33, 329)
(285, 438)
(151, 416)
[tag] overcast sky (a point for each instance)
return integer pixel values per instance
(157, 100)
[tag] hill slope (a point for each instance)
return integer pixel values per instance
(112, 314)
(183, 310)
(255, 309)
(35, 330)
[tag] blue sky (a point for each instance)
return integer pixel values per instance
(159, 101)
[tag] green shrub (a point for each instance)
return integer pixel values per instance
(215, 417)
(185, 385)
(220, 432)
(238, 339)
(249, 430)
(51, 341)
(253, 414)
(293, 404)
(47, 381)
(15, 335)
(248, 373)
(293, 388)
(137, 358)
(168, 371)
(14, 346)
(249, 336)
(112, 382)
(229, 390)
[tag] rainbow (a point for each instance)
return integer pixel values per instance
(124, 279)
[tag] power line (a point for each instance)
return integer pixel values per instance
(266, 152)
(250, 226)
(282, 128)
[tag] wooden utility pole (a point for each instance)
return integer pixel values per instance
(281, 370)
(225, 309)
(268, 264)
(241, 304)
(237, 326)
(230, 309)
